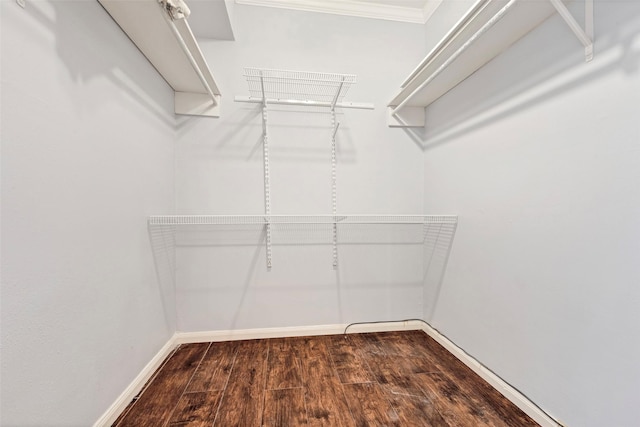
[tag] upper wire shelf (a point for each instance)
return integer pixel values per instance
(300, 85)
(306, 88)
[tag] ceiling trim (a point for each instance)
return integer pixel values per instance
(354, 8)
(429, 9)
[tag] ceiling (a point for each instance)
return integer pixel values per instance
(415, 11)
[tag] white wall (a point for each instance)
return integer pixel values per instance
(219, 171)
(87, 154)
(538, 153)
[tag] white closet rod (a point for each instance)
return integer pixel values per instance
(490, 23)
(585, 37)
(192, 60)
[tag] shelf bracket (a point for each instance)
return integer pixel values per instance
(410, 117)
(337, 95)
(584, 35)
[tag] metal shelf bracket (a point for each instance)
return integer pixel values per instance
(584, 35)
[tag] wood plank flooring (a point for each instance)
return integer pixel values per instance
(356, 380)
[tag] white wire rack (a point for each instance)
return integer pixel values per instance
(177, 220)
(305, 88)
(301, 85)
(275, 230)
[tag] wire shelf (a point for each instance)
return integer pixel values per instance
(176, 220)
(276, 230)
(298, 85)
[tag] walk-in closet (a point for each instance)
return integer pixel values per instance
(320, 212)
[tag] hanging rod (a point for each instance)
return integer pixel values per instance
(585, 36)
(214, 96)
(490, 23)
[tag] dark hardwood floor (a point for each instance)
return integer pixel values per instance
(356, 380)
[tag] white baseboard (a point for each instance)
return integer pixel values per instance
(296, 331)
(121, 403)
(245, 334)
(496, 382)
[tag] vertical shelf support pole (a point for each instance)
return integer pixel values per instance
(334, 196)
(267, 181)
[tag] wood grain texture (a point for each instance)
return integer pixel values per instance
(454, 406)
(389, 370)
(213, 372)
(369, 406)
(284, 407)
(197, 409)
(414, 359)
(283, 369)
(158, 401)
(324, 396)
(470, 383)
(357, 380)
(243, 399)
(393, 373)
(416, 410)
(350, 366)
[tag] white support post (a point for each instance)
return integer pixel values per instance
(585, 36)
(267, 183)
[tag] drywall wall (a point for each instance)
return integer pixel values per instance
(222, 279)
(87, 154)
(447, 14)
(538, 153)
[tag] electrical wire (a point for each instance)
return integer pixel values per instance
(383, 321)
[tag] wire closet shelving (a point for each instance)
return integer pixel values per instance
(306, 89)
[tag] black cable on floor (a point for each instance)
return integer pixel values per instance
(383, 321)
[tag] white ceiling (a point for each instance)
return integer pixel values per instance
(416, 11)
